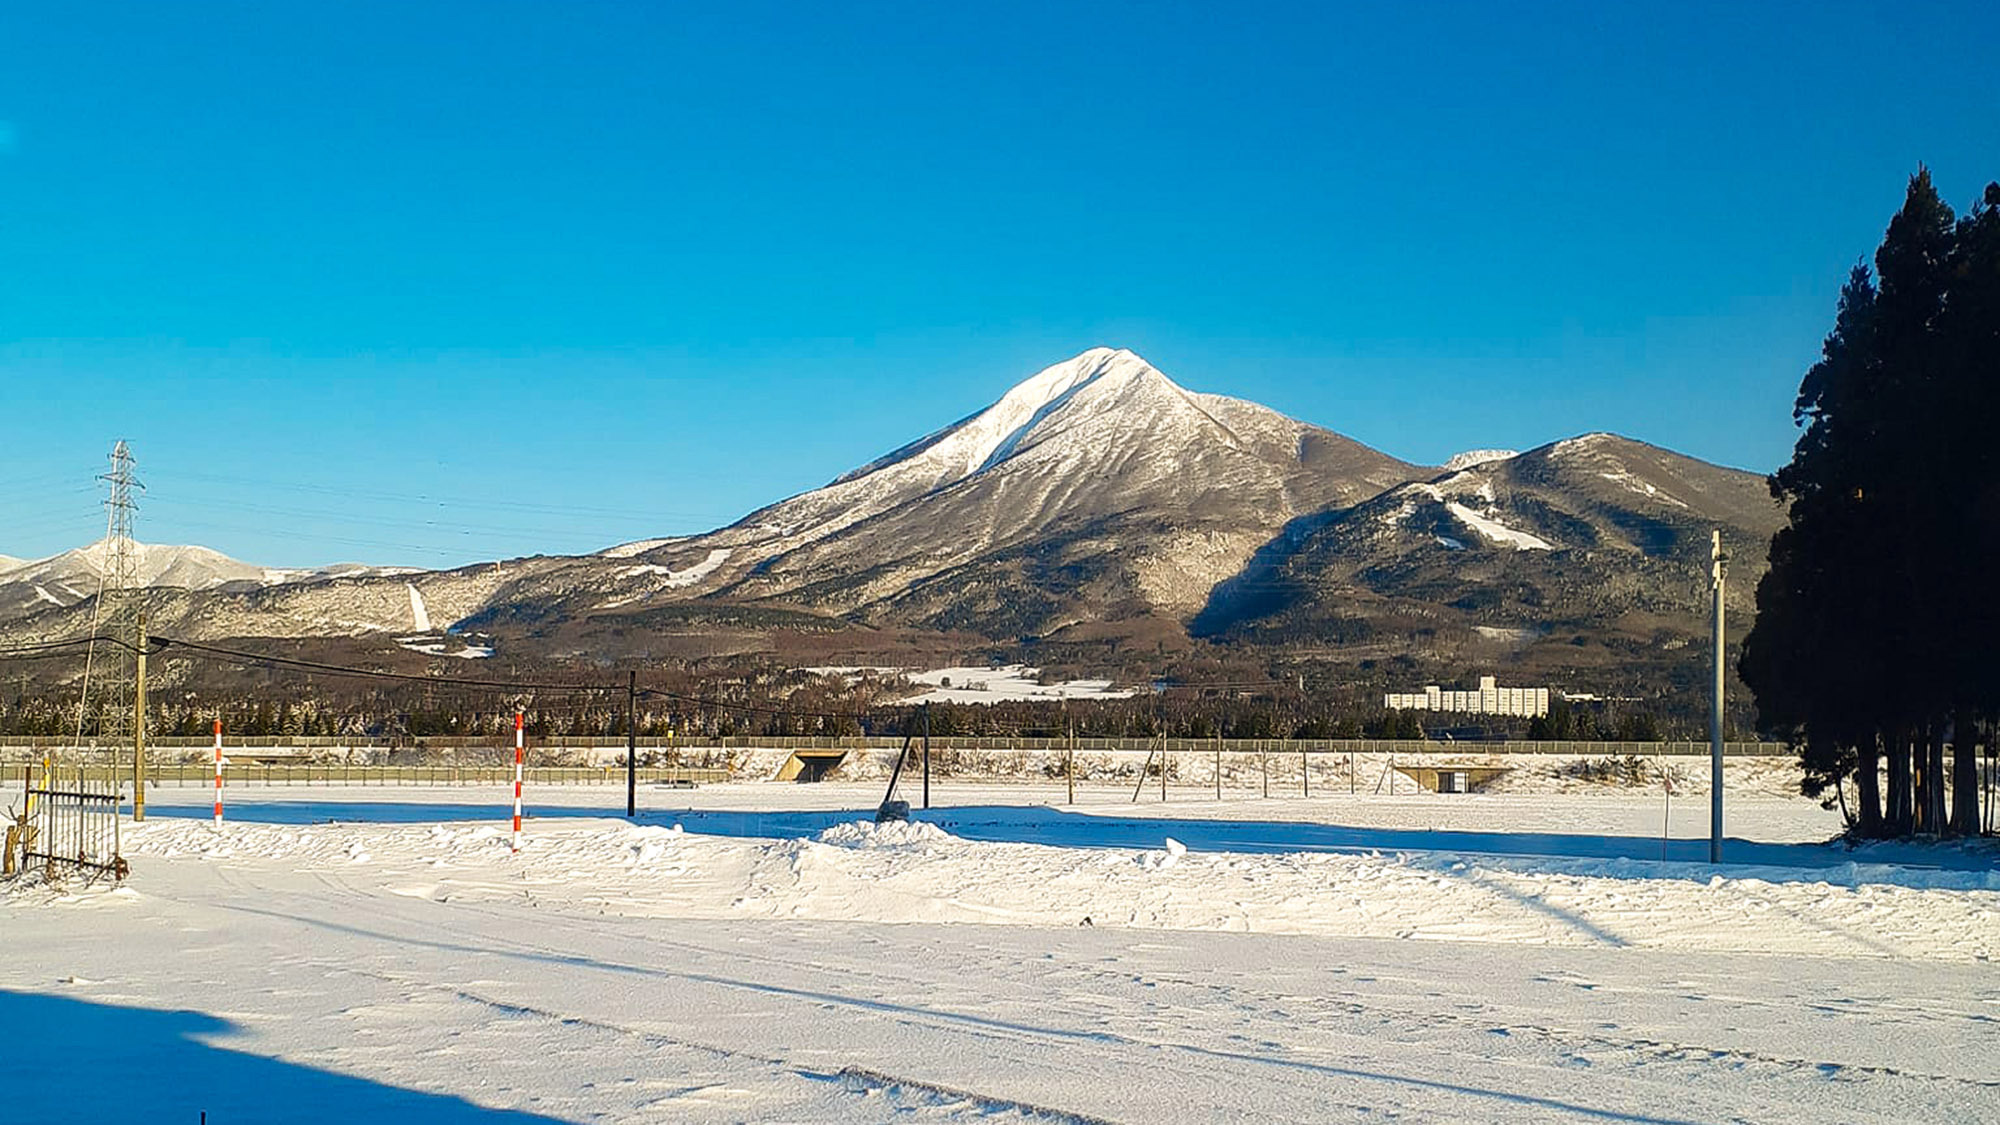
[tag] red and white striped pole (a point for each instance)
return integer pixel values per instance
(218, 774)
(518, 755)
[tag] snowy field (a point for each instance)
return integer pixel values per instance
(759, 953)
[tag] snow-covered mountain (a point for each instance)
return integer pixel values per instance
(1096, 487)
(1095, 496)
(1598, 535)
(72, 577)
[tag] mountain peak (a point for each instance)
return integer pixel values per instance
(1472, 458)
(986, 438)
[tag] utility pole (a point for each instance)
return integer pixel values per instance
(927, 755)
(1715, 560)
(139, 728)
(632, 745)
(1069, 751)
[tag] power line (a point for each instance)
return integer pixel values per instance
(160, 643)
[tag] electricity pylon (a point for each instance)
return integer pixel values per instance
(115, 613)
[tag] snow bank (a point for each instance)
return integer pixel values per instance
(892, 834)
(926, 871)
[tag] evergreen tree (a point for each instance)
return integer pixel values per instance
(1874, 634)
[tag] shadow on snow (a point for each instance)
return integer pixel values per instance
(1631, 856)
(72, 1054)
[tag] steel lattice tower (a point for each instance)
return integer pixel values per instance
(118, 602)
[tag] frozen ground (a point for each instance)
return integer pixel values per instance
(1510, 958)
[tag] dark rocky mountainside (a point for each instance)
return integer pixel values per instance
(1549, 558)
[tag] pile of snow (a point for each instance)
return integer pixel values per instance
(1168, 855)
(890, 834)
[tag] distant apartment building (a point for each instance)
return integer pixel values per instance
(1490, 699)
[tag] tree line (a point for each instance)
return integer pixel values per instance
(1877, 640)
(797, 704)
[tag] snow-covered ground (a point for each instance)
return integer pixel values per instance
(762, 952)
(986, 684)
(1008, 682)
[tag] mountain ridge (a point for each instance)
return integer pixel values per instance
(1095, 496)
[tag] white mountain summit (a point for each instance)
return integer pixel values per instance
(1180, 485)
(1095, 486)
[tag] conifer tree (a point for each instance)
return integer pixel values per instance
(1875, 626)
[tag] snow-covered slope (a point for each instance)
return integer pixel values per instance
(1157, 491)
(1104, 406)
(72, 577)
(1094, 488)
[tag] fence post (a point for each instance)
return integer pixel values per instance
(218, 775)
(519, 755)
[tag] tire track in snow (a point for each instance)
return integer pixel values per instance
(1404, 1023)
(987, 1105)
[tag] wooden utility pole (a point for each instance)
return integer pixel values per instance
(139, 728)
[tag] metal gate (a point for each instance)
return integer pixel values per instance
(71, 825)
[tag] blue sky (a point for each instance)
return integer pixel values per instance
(432, 283)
